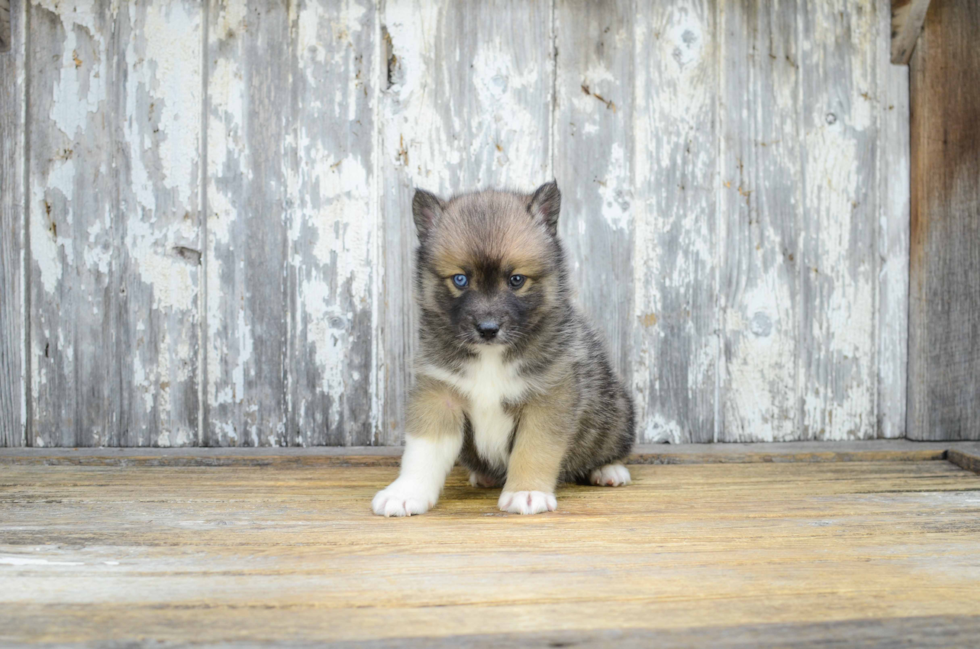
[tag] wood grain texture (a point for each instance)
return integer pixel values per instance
(802, 181)
(944, 292)
(907, 19)
(593, 154)
(248, 240)
(468, 105)
(838, 265)
(937, 631)
(293, 236)
(333, 224)
(156, 218)
(13, 361)
(762, 206)
(893, 236)
(113, 122)
(260, 555)
(72, 380)
(676, 211)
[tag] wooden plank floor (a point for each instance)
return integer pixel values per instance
(787, 554)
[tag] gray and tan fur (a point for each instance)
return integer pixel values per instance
(512, 380)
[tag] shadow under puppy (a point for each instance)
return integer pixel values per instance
(511, 378)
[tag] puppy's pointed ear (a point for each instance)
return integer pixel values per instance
(426, 208)
(545, 205)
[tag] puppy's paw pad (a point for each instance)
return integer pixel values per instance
(401, 500)
(478, 479)
(610, 475)
(527, 502)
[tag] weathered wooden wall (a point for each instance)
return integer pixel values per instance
(218, 245)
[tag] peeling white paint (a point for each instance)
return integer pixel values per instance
(226, 149)
(48, 249)
(80, 89)
(656, 429)
(30, 561)
(673, 104)
(846, 330)
(98, 255)
(760, 403)
(245, 346)
(172, 36)
(893, 237)
(616, 190)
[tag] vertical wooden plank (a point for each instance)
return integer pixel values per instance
(468, 105)
(675, 201)
(838, 263)
(13, 366)
(156, 220)
(333, 224)
(247, 240)
(70, 189)
(761, 213)
(114, 245)
(893, 233)
(944, 291)
(593, 153)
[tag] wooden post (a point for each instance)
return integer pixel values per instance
(944, 264)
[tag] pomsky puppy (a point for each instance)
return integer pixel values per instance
(511, 379)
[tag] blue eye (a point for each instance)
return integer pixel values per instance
(460, 281)
(517, 281)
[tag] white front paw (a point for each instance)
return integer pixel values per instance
(527, 502)
(610, 475)
(403, 498)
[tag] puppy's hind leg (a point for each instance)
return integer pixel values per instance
(432, 443)
(482, 480)
(610, 475)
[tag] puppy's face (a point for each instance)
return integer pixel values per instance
(490, 263)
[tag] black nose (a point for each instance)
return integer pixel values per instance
(488, 329)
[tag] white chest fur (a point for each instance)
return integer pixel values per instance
(487, 382)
